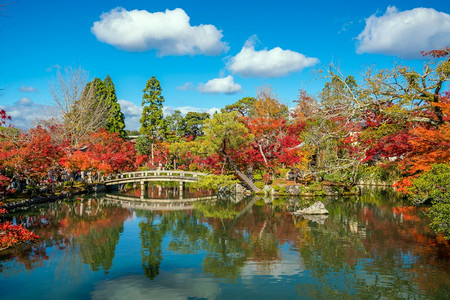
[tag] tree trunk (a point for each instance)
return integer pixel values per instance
(153, 157)
(262, 153)
(241, 175)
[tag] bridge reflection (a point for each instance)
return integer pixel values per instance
(156, 204)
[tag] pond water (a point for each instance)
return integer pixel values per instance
(371, 247)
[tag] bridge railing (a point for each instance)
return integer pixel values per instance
(157, 173)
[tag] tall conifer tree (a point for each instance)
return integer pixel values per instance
(114, 119)
(153, 124)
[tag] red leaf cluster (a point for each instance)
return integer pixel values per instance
(11, 235)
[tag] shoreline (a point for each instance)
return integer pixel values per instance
(91, 188)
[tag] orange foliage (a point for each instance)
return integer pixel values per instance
(83, 161)
(430, 145)
(32, 154)
(268, 106)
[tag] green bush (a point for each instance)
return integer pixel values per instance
(279, 189)
(315, 186)
(214, 181)
(317, 189)
(257, 176)
(260, 184)
(434, 185)
(387, 173)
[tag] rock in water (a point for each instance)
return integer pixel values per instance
(317, 208)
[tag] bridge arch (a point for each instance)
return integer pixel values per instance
(142, 177)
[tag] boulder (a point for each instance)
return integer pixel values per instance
(291, 175)
(240, 189)
(293, 189)
(329, 190)
(317, 208)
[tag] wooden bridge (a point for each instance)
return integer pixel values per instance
(142, 177)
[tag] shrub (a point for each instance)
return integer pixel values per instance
(386, 173)
(260, 184)
(214, 181)
(257, 176)
(434, 185)
(279, 189)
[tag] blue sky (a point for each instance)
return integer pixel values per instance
(206, 54)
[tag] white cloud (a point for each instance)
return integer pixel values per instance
(224, 85)
(169, 32)
(186, 87)
(24, 113)
(25, 101)
(133, 112)
(267, 63)
(27, 89)
(405, 33)
(185, 109)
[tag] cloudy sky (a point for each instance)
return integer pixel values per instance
(206, 54)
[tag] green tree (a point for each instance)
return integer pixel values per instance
(174, 124)
(115, 119)
(143, 145)
(192, 124)
(153, 124)
(225, 132)
(244, 106)
(95, 92)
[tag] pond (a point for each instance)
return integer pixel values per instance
(373, 246)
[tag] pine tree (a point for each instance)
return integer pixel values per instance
(153, 124)
(114, 119)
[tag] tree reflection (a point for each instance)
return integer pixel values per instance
(371, 245)
(151, 239)
(87, 227)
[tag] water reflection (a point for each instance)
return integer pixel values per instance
(168, 285)
(89, 230)
(166, 190)
(370, 246)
